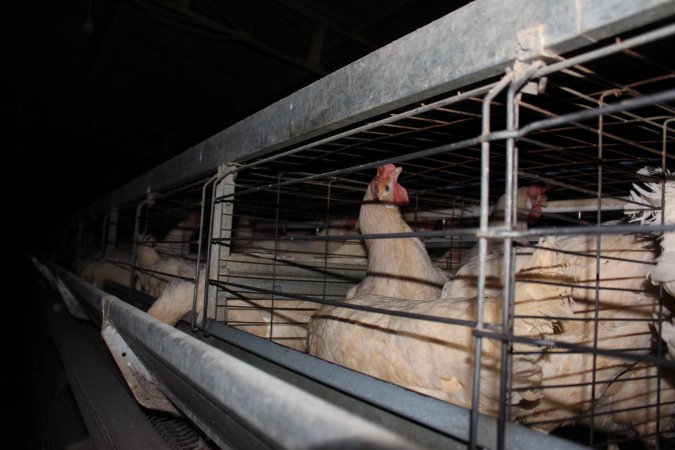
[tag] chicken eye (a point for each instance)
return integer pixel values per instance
(387, 186)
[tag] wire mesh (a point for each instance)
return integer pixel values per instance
(580, 332)
(561, 326)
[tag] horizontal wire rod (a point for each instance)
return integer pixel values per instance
(494, 136)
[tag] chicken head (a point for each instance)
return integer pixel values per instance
(385, 187)
(536, 199)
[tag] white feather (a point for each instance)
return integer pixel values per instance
(668, 335)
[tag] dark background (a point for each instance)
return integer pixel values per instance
(98, 92)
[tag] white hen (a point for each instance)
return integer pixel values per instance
(556, 290)
(176, 300)
(397, 267)
(432, 358)
(155, 272)
(529, 202)
(651, 195)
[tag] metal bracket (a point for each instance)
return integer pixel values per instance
(143, 384)
(531, 45)
(532, 87)
(530, 42)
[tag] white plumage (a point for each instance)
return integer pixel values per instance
(170, 280)
(529, 201)
(651, 195)
(155, 272)
(429, 357)
(433, 358)
(668, 336)
(99, 270)
(397, 267)
(556, 289)
(625, 307)
(287, 325)
(629, 404)
(177, 299)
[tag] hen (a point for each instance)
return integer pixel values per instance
(397, 267)
(436, 359)
(176, 300)
(99, 270)
(429, 357)
(529, 202)
(624, 308)
(612, 270)
(117, 266)
(433, 358)
(155, 272)
(651, 195)
(285, 326)
(556, 290)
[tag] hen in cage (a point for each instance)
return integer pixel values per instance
(427, 345)
(397, 267)
(177, 299)
(98, 270)
(529, 202)
(505, 331)
(156, 271)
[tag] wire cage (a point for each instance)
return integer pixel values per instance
(139, 244)
(566, 322)
(526, 192)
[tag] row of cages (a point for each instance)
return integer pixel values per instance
(496, 247)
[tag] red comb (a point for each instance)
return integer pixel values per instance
(385, 170)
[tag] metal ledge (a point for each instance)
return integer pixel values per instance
(449, 422)
(469, 45)
(255, 391)
(235, 403)
(112, 417)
